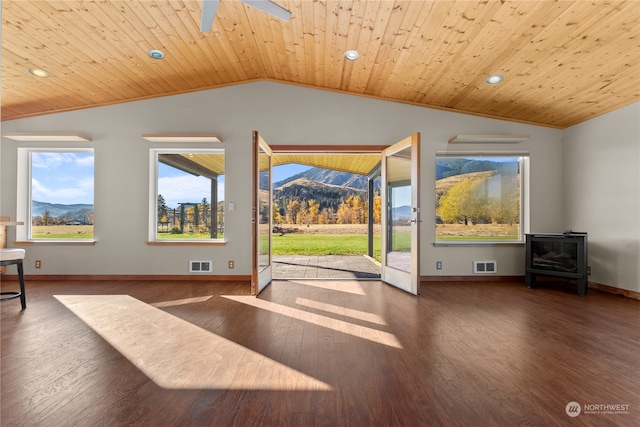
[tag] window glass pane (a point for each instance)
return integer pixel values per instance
(478, 198)
(265, 210)
(61, 195)
(190, 195)
(399, 210)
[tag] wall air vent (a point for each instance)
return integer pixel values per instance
(200, 266)
(485, 267)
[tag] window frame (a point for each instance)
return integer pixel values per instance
(24, 195)
(153, 196)
(524, 165)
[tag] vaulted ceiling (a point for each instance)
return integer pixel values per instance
(563, 62)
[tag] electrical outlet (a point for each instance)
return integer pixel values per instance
(38, 263)
(231, 264)
(589, 271)
(438, 265)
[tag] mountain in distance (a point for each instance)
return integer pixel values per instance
(305, 189)
(331, 177)
(329, 188)
(401, 213)
(76, 211)
(447, 167)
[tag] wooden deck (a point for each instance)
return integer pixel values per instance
(316, 353)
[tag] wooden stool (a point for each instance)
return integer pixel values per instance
(8, 257)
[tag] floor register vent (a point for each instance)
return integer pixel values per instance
(485, 267)
(200, 266)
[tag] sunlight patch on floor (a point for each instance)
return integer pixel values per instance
(349, 286)
(342, 311)
(176, 354)
(184, 301)
(374, 335)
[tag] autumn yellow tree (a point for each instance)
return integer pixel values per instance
(313, 209)
(191, 214)
(303, 214)
(377, 209)
(358, 210)
(325, 216)
(277, 218)
(465, 202)
(345, 215)
(291, 212)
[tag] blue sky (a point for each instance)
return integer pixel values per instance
(285, 171)
(181, 187)
(67, 178)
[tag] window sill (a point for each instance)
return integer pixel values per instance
(519, 243)
(55, 243)
(186, 243)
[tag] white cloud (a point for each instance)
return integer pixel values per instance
(56, 160)
(81, 192)
(186, 189)
(85, 161)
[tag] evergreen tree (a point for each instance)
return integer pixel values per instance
(162, 207)
(205, 212)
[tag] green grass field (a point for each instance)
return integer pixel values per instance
(328, 244)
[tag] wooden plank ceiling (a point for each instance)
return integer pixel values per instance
(563, 62)
(360, 163)
(212, 165)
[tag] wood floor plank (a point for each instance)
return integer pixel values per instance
(459, 354)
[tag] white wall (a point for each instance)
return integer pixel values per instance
(602, 193)
(283, 114)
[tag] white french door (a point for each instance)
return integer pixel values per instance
(401, 214)
(261, 271)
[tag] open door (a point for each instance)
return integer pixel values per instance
(401, 214)
(261, 216)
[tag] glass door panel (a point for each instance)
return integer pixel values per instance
(262, 215)
(400, 191)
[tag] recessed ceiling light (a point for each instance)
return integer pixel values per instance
(352, 55)
(494, 79)
(156, 54)
(39, 72)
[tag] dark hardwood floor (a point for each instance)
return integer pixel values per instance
(460, 354)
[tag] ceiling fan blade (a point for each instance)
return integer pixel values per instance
(209, 8)
(271, 8)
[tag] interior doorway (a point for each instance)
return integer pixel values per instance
(399, 168)
(322, 231)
